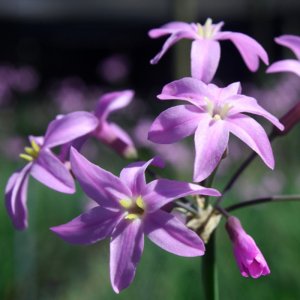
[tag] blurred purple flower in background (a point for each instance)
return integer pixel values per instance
(205, 52)
(43, 165)
(249, 258)
(213, 113)
(128, 209)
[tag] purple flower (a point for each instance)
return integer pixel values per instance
(205, 52)
(212, 114)
(43, 165)
(250, 260)
(128, 208)
(287, 65)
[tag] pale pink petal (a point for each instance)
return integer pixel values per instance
(95, 181)
(211, 140)
(90, 227)
(174, 124)
(251, 133)
(134, 175)
(230, 90)
(16, 197)
(205, 57)
(112, 101)
(174, 38)
(126, 248)
(188, 89)
(250, 50)
(166, 231)
(50, 171)
(241, 103)
(290, 41)
(287, 65)
(162, 191)
(169, 28)
(69, 127)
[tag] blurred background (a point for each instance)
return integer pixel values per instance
(58, 56)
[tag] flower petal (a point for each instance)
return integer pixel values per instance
(174, 124)
(241, 103)
(162, 191)
(290, 41)
(205, 57)
(211, 140)
(112, 101)
(69, 127)
(95, 181)
(169, 28)
(251, 133)
(50, 171)
(249, 48)
(126, 248)
(16, 197)
(90, 227)
(134, 175)
(166, 231)
(174, 38)
(188, 89)
(287, 65)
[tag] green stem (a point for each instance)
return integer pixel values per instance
(209, 270)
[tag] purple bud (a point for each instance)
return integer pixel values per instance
(250, 260)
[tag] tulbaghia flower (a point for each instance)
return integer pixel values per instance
(288, 65)
(250, 260)
(129, 208)
(212, 114)
(205, 52)
(43, 165)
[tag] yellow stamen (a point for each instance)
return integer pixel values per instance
(30, 151)
(35, 146)
(26, 157)
(140, 203)
(200, 30)
(209, 105)
(131, 217)
(225, 109)
(217, 117)
(126, 203)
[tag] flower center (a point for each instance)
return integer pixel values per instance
(217, 112)
(135, 208)
(207, 30)
(32, 152)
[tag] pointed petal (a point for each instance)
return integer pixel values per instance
(50, 171)
(188, 89)
(211, 140)
(126, 248)
(112, 101)
(90, 227)
(290, 41)
(134, 175)
(116, 138)
(162, 191)
(251, 133)
(230, 90)
(95, 181)
(174, 38)
(174, 124)
(16, 197)
(241, 103)
(169, 28)
(166, 231)
(69, 127)
(205, 57)
(250, 50)
(287, 65)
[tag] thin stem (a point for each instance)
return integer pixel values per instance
(187, 207)
(209, 270)
(278, 198)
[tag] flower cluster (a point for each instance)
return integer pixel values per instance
(127, 206)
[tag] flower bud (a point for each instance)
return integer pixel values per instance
(250, 260)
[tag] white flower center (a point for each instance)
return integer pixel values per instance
(207, 30)
(217, 112)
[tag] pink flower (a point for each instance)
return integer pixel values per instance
(129, 208)
(250, 260)
(288, 65)
(205, 52)
(213, 113)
